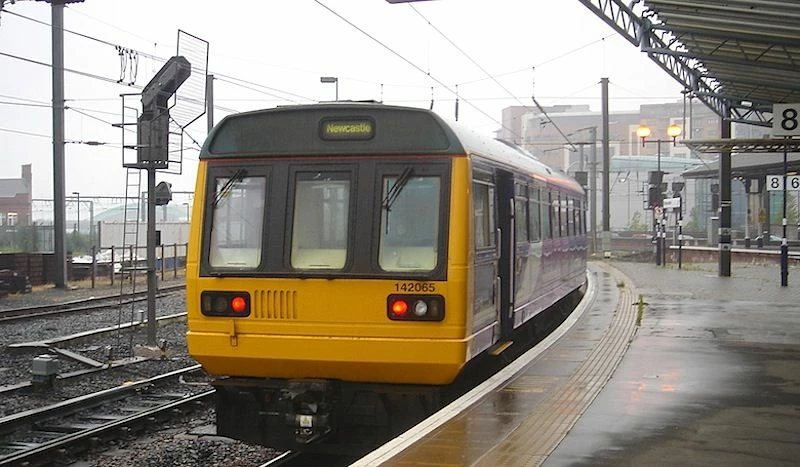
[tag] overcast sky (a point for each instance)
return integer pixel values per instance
(268, 53)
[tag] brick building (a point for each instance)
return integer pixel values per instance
(15, 199)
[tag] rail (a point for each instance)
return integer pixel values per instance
(71, 436)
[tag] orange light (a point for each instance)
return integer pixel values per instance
(399, 307)
(238, 304)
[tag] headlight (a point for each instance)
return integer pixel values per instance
(420, 308)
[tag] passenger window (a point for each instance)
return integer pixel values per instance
(534, 216)
(483, 205)
(558, 225)
(547, 217)
(409, 230)
(521, 220)
(570, 215)
(320, 220)
(237, 220)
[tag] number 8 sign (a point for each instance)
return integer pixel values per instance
(786, 120)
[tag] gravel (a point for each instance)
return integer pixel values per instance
(191, 442)
(179, 446)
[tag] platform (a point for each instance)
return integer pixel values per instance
(711, 376)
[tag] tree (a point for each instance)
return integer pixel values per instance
(691, 224)
(636, 223)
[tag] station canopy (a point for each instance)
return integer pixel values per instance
(739, 57)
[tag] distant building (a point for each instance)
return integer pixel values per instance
(15, 199)
(543, 134)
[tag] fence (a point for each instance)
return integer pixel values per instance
(113, 263)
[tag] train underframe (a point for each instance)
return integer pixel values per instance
(347, 417)
(295, 414)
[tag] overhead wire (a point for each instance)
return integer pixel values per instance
(101, 41)
(25, 104)
(546, 62)
(26, 133)
(403, 58)
(82, 13)
(493, 78)
(69, 70)
(117, 47)
(162, 60)
(253, 87)
(25, 99)
(225, 78)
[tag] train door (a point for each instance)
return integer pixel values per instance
(486, 282)
(505, 223)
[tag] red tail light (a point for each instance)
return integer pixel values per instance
(399, 307)
(238, 304)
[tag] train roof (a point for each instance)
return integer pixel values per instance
(363, 128)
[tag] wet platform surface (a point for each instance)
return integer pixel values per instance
(711, 376)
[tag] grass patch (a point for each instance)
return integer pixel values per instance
(640, 311)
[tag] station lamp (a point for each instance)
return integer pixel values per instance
(655, 193)
(331, 80)
(673, 131)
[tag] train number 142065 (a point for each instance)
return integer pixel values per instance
(424, 287)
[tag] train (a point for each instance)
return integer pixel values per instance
(348, 260)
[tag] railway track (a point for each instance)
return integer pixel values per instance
(61, 432)
(86, 304)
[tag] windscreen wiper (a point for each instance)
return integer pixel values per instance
(395, 190)
(237, 177)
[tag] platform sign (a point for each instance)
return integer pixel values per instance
(786, 120)
(672, 203)
(775, 182)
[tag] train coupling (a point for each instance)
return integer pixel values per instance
(309, 406)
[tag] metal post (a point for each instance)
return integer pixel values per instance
(94, 265)
(78, 203)
(784, 242)
(664, 242)
(152, 283)
(680, 229)
(747, 187)
(334, 80)
(593, 193)
(659, 224)
(725, 203)
(209, 102)
(59, 211)
(606, 169)
(91, 223)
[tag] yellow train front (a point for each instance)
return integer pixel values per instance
(347, 259)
